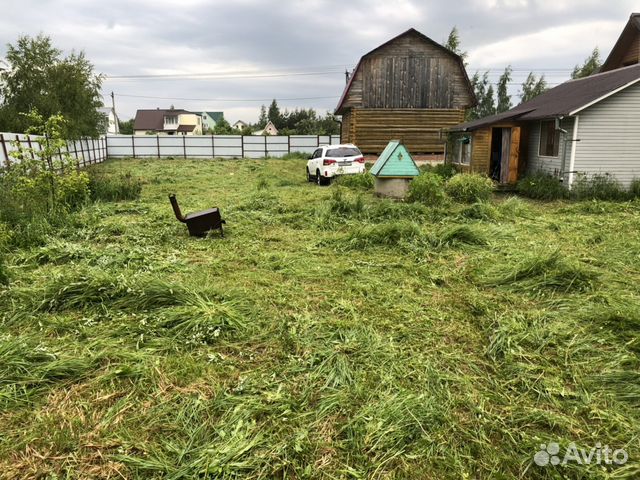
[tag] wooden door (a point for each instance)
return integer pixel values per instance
(514, 155)
(504, 157)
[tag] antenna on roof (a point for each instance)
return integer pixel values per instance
(346, 75)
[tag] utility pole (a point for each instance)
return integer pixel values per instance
(115, 116)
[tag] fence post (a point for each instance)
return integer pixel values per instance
(242, 146)
(158, 143)
(93, 147)
(30, 147)
(288, 143)
(213, 146)
(133, 145)
(265, 147)
(184, 145)
(4, 149)
(75, 153)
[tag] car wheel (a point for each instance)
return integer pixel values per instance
(318, 178)
(309, 176)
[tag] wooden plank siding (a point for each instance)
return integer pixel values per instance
(418, 129)
(632, 56)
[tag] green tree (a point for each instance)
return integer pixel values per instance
(532, 87)
(454, 44)
(39, 77)
(262, 119)
(590, 66)
(504, 99)
(126, 127)
(222, 127)
(485, 96)
(275, 116)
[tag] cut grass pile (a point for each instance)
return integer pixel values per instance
(330, 334)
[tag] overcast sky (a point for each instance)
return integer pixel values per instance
(241, 53)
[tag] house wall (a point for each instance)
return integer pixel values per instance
(609, 134)
(191, 119)
(551, 165)
(418, 129)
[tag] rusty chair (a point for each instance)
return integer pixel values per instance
(199, 223)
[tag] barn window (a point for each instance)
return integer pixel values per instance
(549, 139)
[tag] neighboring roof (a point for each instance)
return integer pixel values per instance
(567, 98)
(457, 57)
(154, 119)
(215, 116)
(240, 122)
(392, 162)
(186, 128)
(627, 37)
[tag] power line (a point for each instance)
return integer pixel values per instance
(225, 99)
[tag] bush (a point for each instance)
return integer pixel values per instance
(597, 187)
(541, 186)
(363, 181)
(427, 188)
(634, 189)
(445, 170)
(4, 275)
(112, 188)
(469, 188)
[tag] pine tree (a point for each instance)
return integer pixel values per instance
(454, 44)
(532, 87)
(504, 99)
(590, 66)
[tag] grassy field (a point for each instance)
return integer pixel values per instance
(330, 334)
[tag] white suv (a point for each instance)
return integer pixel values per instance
(331, 160)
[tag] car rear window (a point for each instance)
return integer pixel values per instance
(343, 152)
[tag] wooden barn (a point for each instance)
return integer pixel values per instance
(409, 88)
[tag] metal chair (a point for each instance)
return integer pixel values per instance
(199, 223)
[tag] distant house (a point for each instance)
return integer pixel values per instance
(626, 51)
(269, 129)
(111, 120)
(240, 125)
(210, 119)
(407, 89)
(585, 126)
(173, 121)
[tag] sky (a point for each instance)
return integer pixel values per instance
(235, 55)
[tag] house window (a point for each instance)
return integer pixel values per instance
(172, 120)
(549, 139)
(462, 150)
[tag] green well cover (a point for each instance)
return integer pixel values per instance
(395, 161)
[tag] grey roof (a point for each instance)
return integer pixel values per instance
(565, 99)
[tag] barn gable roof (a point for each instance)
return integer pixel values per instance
(411, 31)
(627, 37)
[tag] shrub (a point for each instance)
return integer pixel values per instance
(469, 188)
(445, 170)
(597, 187)
(541, 186)
(112, 188)
(363, 181)
(427, 188)
(634, 189)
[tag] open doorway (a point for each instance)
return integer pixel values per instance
(496, 153)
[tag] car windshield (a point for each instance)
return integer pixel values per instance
(343, 152)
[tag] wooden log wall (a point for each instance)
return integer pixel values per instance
(419, 129)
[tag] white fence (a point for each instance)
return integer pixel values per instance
(210, 146)
(86, 151)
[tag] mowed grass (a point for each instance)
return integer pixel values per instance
(330, 334)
